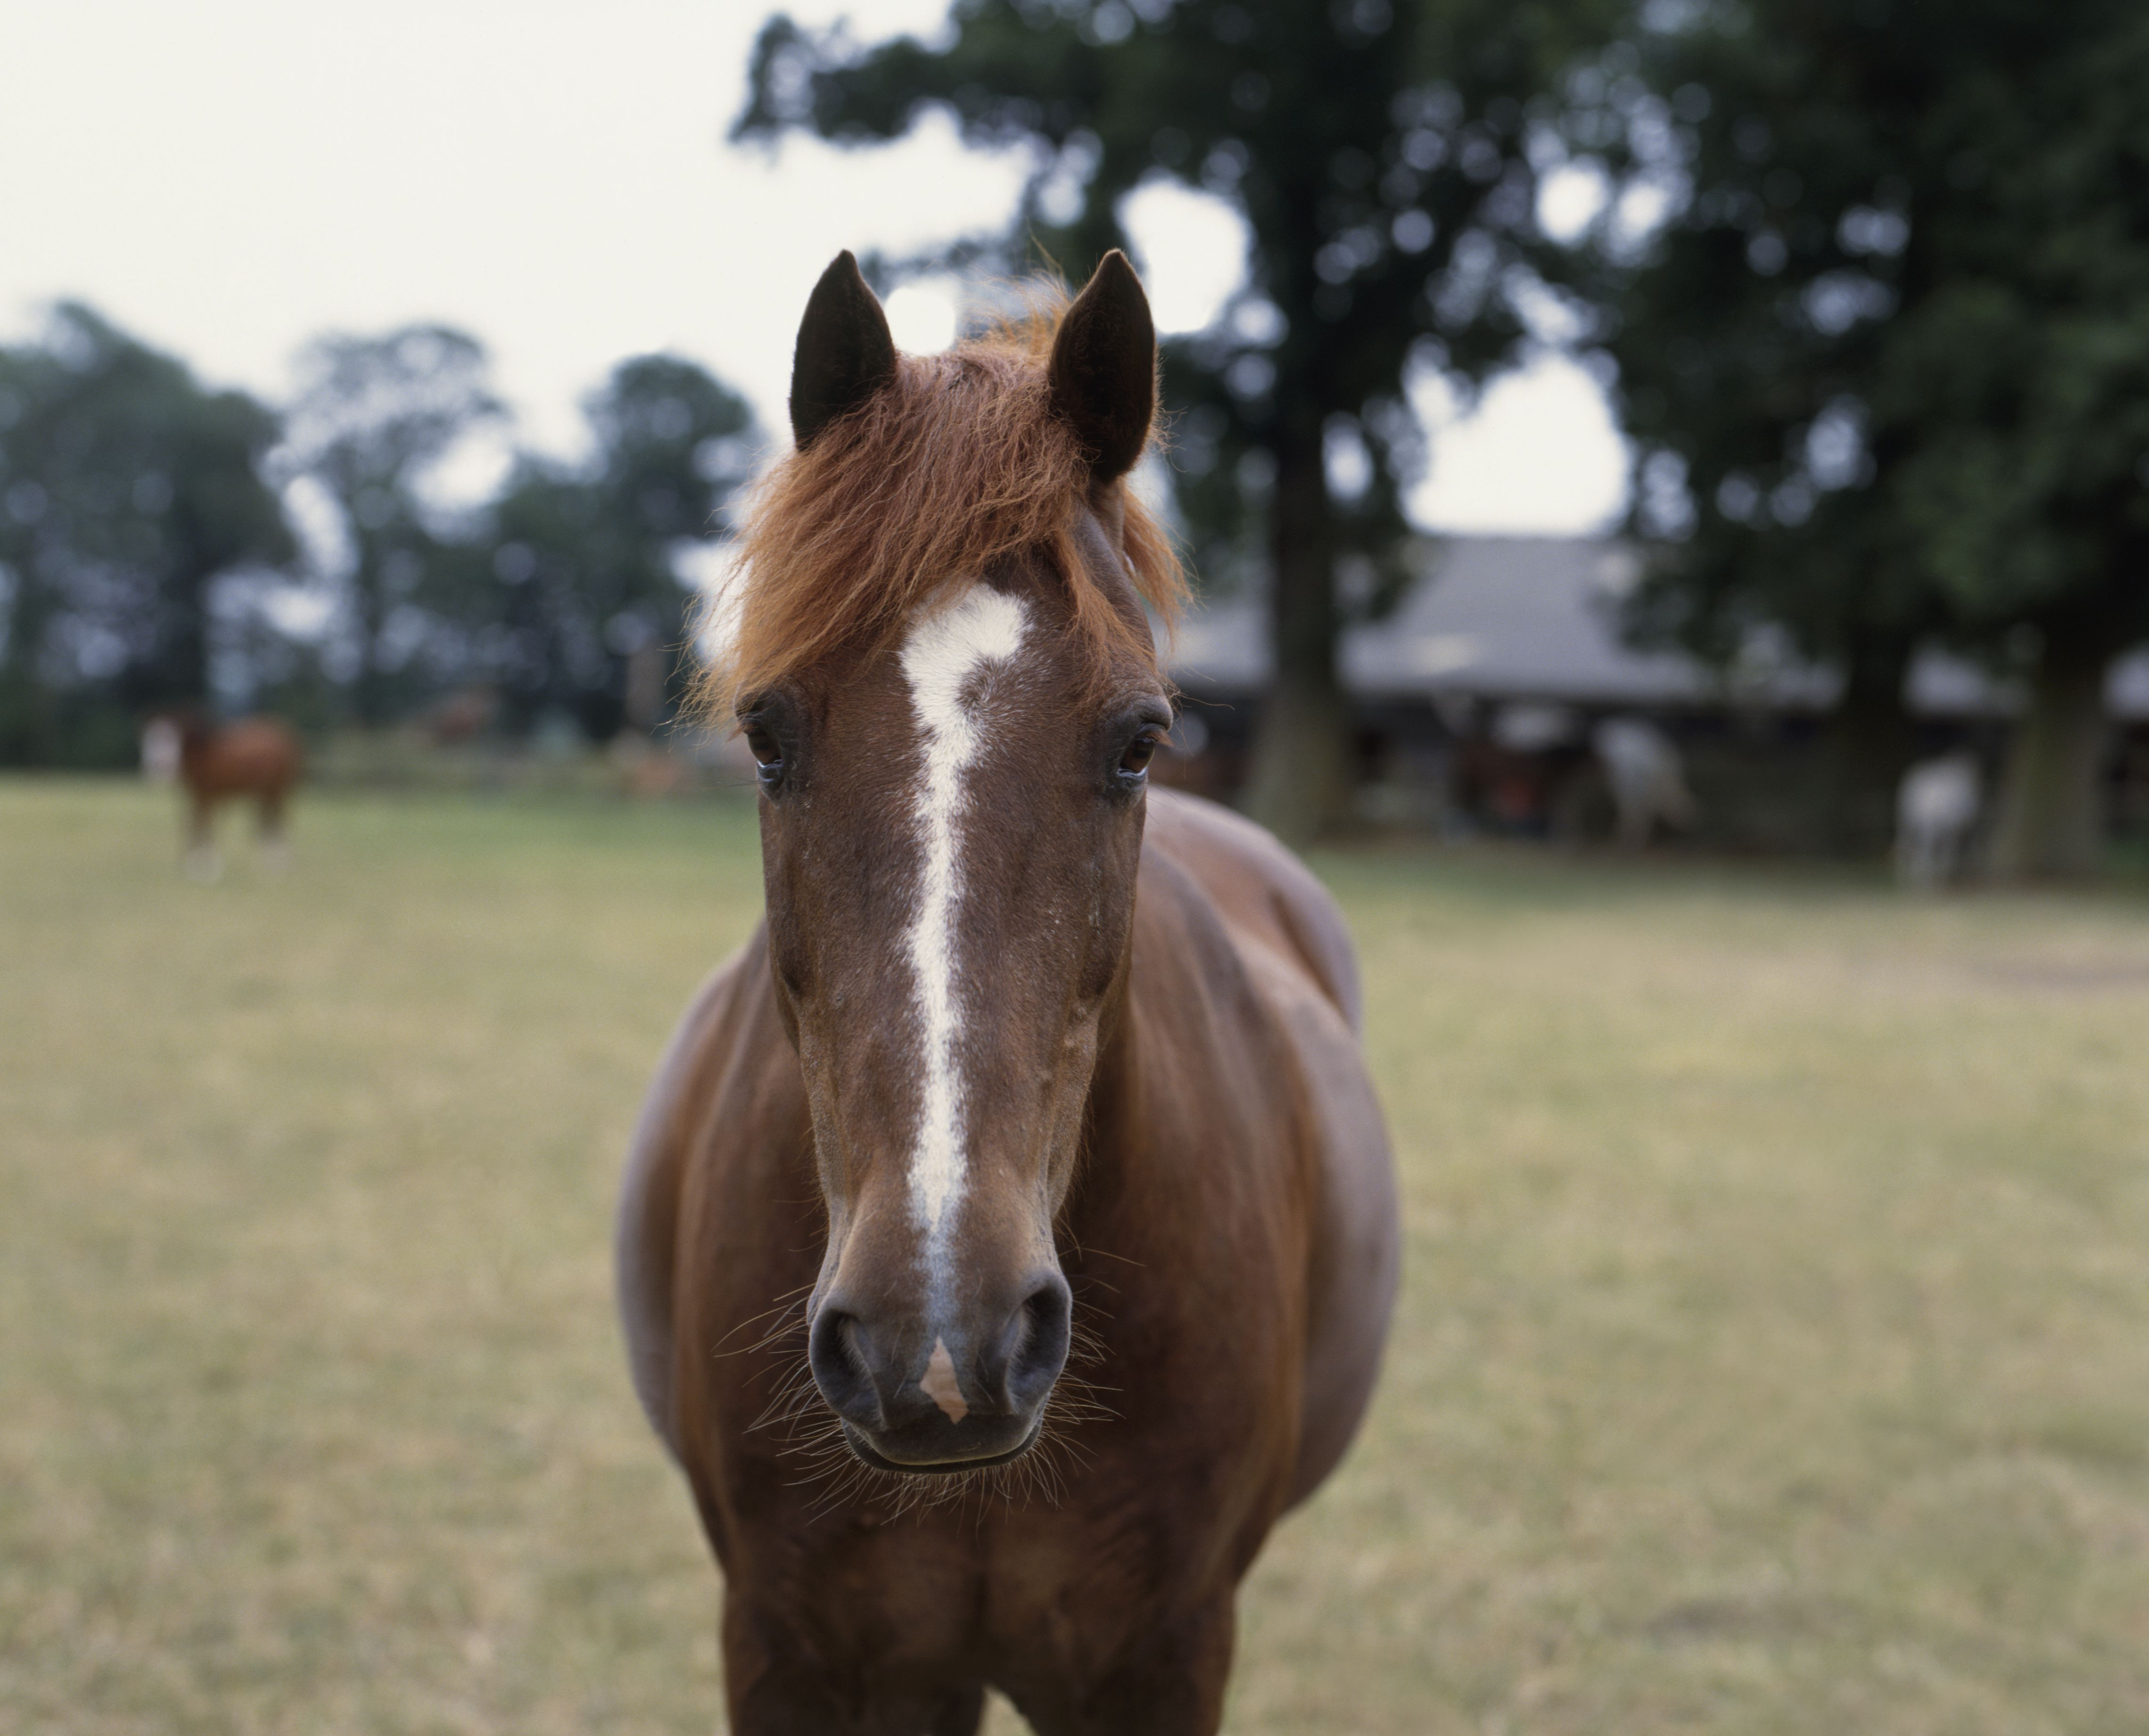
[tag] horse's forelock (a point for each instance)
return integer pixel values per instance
(956, 466)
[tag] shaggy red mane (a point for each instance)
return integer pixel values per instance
(957, 466)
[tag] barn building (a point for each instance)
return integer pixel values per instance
(1476, 699)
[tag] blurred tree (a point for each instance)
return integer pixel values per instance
(1385, 157)
(373, 419)
(1888, 362)
(126, 489)
(578, 601)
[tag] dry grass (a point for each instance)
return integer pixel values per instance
(1774, 1354)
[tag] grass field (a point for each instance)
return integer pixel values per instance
(1773, 1354)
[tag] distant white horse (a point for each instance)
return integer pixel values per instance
(1936, 808)
(1647, 776)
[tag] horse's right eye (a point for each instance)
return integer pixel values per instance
(768, 756)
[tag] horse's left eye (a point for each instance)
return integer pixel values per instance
(1140, 751)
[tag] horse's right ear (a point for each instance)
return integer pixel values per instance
(844, 355)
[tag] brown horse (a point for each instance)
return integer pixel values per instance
(1027, 1056)
(217, 762)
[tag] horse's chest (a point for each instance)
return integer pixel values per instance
(1036, 1583)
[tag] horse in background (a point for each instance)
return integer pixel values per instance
(1647, 777)
(1936, 810)
(1027, 1061)
(256, 758)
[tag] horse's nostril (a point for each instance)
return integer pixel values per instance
(841, 1368)
(1033, 1344)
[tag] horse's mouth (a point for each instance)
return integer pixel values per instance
(865, 1452)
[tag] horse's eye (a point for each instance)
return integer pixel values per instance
(768, 757)
(1134, 761)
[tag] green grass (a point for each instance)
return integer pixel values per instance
(1773, 1355)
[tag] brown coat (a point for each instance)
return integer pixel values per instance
(1009, 1236)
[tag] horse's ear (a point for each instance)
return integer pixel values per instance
(1104, 368)
(844, 355)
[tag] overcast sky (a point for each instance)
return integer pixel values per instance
(226, 178)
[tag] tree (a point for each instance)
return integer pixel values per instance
(579, 598)
(127, 489)
(1887, 364)
(1385, 159)
(373, 419)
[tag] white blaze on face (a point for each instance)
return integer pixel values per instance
(940, 1384)
(943, 659)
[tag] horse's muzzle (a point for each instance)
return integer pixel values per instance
(928, 1396)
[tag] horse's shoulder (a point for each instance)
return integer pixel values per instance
(1262, 892)
(1230, 883)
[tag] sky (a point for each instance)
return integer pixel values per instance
(227, 178)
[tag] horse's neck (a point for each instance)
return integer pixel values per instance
(1111, 1115)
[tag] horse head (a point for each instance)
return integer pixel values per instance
(944, 670)
(170, 737)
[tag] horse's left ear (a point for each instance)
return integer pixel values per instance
(1104, 368)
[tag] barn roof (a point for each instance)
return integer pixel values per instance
(1536, 617)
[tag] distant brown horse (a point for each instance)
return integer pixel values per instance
(256, 757)
(1026, 1055)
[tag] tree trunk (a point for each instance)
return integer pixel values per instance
(1868, 748)
(2051, 807)
(369, 608)
(1302, 776)
(28, 736)
(185, 673)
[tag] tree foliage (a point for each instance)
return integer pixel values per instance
(373, 419)
(1385, 159)
(577, 603)
(144, 550)
(1888, 363)
(127, 489)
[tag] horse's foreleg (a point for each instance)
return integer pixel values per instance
(276, 851)
(200, 861)
(1928, 857)
(778, 1685)
(800, 1705)
(1173, 1686)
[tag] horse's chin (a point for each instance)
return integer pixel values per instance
(866, 1453)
